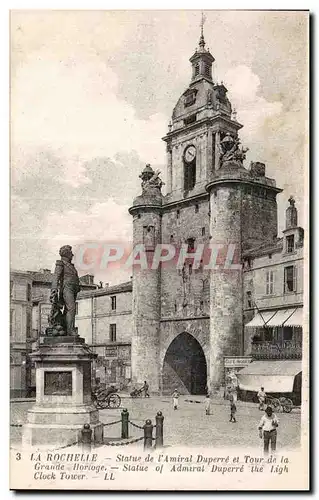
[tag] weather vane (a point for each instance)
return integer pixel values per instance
(202, 22)
(201, 40)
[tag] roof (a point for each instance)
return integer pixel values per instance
(265, 248)
(46, 277)
(110, 290)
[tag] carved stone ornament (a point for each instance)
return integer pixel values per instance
(230, 152)
(150, 180)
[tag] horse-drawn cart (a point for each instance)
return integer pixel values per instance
(281, 404)
(106, 398)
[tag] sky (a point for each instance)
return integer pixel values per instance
(92, 93)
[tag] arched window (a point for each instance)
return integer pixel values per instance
(189, 175)
(196, 69)
(207, 70)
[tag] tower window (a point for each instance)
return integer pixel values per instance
(189, 176)
(190, 98)
(190, 119)
(207, 70)
(177, 214)
(196, 208)
(249, 300)
(196, 69)
(203, 231)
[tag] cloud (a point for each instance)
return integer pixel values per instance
(253, 110)
(71, 107)
(103, 223)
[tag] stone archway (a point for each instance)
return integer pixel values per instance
(184, 366)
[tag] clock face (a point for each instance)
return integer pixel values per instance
(190, 154)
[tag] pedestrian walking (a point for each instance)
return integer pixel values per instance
(207, 404)
(145, 389)
(268, 429)
(261, 395)
(233, 408)
(175, 396)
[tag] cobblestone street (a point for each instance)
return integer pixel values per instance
(189, 425)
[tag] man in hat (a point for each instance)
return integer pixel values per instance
(261, 395)
(268, 429)
(65, 286)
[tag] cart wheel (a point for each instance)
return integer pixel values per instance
(275, 403)
(114, 401)
(103, 403)
(282, 400)
(288, 406)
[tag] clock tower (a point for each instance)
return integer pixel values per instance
(188, 316)
(200, 120)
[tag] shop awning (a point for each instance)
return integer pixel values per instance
(296, 319)
(281, 317)
(274, 376)
(261, 319)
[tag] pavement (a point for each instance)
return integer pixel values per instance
(189, 424)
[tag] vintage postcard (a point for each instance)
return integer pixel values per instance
(159, 329)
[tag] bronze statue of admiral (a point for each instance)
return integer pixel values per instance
(65, 287)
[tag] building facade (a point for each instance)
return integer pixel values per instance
(29, 310)
(104, 319)
(273, 311)
(20, 332)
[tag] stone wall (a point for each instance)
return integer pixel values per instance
(185, 293)
(259, 216)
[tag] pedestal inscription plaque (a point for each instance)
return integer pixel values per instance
(58, 383)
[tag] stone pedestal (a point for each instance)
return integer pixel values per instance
(63, 394)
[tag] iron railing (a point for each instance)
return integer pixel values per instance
(272, 350)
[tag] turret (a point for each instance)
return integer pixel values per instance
(146, 212)
(243, 213)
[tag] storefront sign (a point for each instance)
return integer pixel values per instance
(236, 361)
(110, 351)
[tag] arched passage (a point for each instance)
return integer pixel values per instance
(184, 366)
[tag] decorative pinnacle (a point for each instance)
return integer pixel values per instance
(202, 40)
(292, 201)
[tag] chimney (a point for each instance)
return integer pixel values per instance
(87, 279)
(291, 214)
